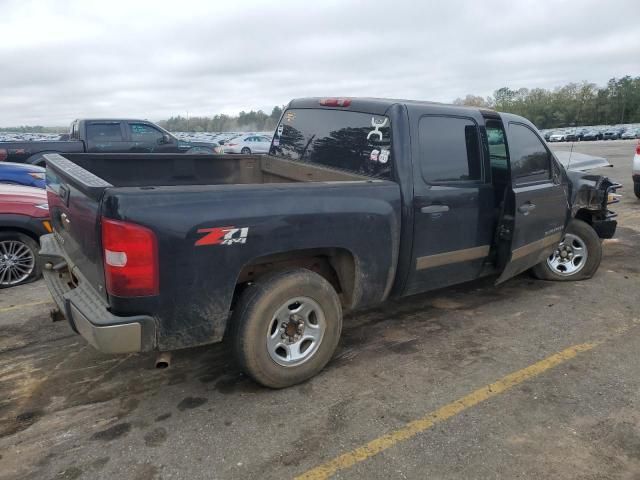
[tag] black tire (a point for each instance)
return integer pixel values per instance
(254, 318)
(590, 238)
(7, 238)
(246, 151)
(636, 189)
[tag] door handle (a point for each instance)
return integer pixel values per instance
(526, 208)
(435, 209)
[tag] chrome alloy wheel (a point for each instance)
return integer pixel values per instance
(16, 262)
(296, 331)
(569, 256)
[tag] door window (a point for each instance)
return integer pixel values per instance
(143, 133)
(497, 145)
(530, 159)
(103, 133)
(449, 150)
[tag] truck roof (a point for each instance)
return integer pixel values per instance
(111, 120)
(379, 105)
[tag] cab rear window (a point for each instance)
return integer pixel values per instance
(353, 141)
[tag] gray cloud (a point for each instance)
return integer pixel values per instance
(154, 59)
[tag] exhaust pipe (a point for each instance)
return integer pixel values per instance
(163, 360)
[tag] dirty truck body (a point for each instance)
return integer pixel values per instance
(358, 201)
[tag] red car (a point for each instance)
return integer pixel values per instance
(24, 217)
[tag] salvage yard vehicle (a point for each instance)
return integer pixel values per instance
(247, 144)
(558, 137)
(24, 217)
(22, 174)
(358, 201)
(103, 136)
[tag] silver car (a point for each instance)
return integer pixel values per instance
(248, 144)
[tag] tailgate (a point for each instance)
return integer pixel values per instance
(74, 196)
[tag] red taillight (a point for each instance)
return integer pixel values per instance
(638, 149)
(335, 102)
(130, 259)
(3, 154)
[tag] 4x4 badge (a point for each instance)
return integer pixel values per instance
(222, 236)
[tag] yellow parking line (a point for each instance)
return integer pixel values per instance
(24, 305)
(415, 427)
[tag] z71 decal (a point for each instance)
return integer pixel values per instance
(222, 236)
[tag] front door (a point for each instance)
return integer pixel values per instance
(146, 138)
(536, 209)
(452, 234)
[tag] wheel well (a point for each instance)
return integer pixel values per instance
(24, 231)
(336, 265)
(585, 215)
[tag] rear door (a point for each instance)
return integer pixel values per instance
(106, 137)
(453, 203)
(536, 209)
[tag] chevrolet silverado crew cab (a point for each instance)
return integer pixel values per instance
(103, 136)
(358, 201)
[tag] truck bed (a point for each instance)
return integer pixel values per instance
(21, 151)
(284, 208)
(144, 170)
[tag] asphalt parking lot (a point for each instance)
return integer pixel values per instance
(530, 379)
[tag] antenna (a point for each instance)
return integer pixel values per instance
(570, 155)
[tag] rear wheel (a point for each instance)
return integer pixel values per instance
(576, 257)
(18, 259)
(286, 327)
(636, 189)
(246, 151)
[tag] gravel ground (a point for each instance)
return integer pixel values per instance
(67, 411)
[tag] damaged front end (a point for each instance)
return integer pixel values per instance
(591, 195)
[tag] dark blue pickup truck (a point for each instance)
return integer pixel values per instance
(359, 201)
(103, 136)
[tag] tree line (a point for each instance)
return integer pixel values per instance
(245, 121)
(573, 104)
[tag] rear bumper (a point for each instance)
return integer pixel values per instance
(86, 311)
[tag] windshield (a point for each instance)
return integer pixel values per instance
(354, 141)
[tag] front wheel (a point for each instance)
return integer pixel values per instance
(18, 259)
(576, 257)
(286, 327)
(636, 189)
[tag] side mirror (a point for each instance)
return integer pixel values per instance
(165, 139)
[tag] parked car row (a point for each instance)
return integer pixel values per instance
(579, 134)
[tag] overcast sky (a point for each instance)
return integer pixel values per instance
(152, 59)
